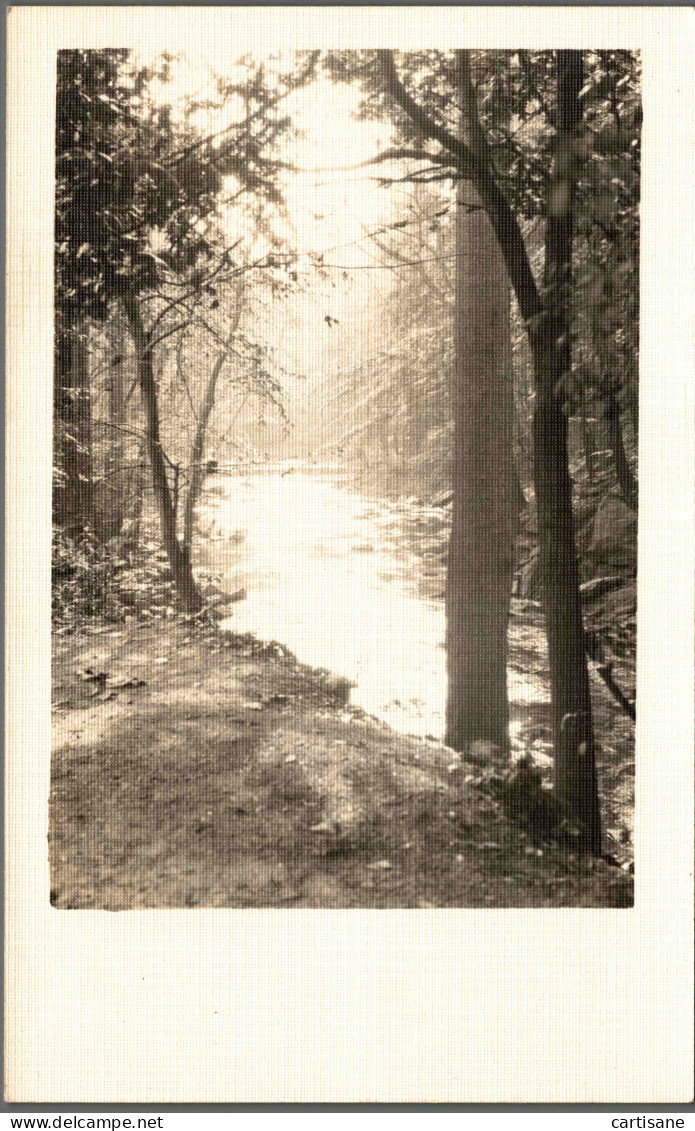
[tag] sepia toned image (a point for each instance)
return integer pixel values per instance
(349, 394)
(345, 489)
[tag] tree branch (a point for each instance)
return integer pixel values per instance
(427, 127)
(477, 166)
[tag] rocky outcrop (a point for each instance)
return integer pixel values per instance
(614, 535)
(595, 588)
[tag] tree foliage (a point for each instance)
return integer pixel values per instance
(126, 167)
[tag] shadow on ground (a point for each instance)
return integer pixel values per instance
(229, 780)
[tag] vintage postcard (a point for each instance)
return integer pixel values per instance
(350, 544)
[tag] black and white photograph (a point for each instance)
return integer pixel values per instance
(349, 597)
(346, 482)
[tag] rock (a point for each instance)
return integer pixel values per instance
(590, 590)
(614, 534)
(338, 689)
(620, 603)
(525, 800)
(483, 752)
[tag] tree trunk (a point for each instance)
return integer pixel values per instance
(111, 511)
(137, 485)
(614, 433)
(179, 556)
(480, 564)
(575, 772)
(72, 497)
(546, 324)
(196, 461)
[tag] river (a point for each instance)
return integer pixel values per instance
(350, 584)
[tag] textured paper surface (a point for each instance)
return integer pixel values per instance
(447, 1006)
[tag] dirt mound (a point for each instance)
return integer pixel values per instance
(200, 775)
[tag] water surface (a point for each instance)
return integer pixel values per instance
(346, 583)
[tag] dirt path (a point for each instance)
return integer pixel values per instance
(231, 776)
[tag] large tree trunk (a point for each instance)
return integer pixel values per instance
(72, 496)
(480, 564)
(575, 772)
(546, 323)
(179, 556)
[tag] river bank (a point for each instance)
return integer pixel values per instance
(196, 765)
(212, 771)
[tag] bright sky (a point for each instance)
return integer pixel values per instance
(327, 209)
(330, 212)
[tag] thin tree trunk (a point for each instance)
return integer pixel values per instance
(480, 564)
(113, 496)
(117, 453)
(196, 461)
(179, 557)
(137, 484)
(614, 433)
(574, 771)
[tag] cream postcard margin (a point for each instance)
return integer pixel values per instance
(509, 1006)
